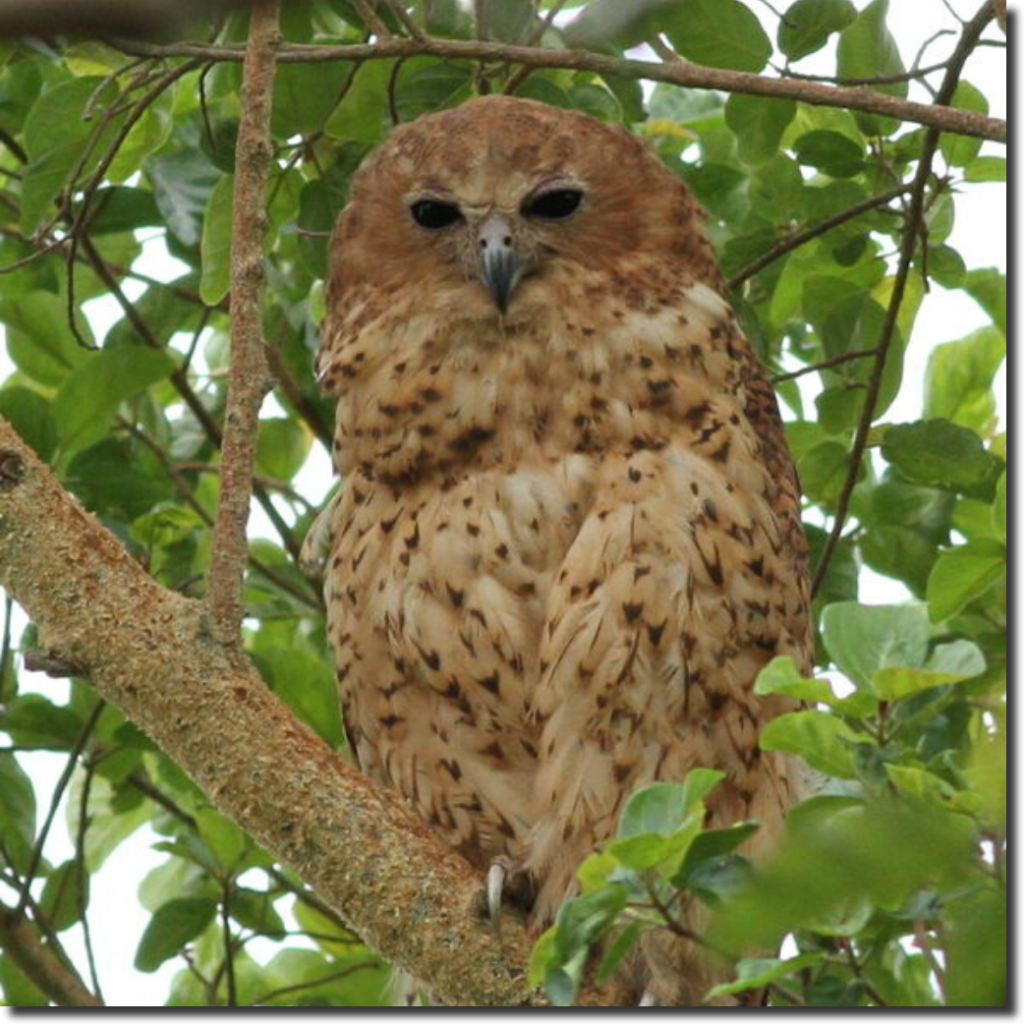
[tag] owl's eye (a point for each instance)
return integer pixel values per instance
(433, 215)
(555, 205)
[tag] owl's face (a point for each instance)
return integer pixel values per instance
(485, 208)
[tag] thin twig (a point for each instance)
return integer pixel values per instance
(274, 993)
(55, 798)
(799, 238)
(825, 364)
(249, 376)
(364, 8)
(410, 26)
(80, 872)
(908, 247)
(693, 76)
(229, 952)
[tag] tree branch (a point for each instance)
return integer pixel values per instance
(147, 650)
(37, 962)
(694, 76)
(248, 379)
(908, 247)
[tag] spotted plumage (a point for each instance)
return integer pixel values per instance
(568, 535)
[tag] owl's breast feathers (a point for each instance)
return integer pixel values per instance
(598, 482)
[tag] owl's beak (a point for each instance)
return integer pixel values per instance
(500, 265)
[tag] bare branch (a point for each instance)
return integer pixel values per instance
(248, 380)
(693, 76)
(40, 964)
(799, 238)
(908, 246)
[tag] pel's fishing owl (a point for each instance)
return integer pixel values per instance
(568, 536)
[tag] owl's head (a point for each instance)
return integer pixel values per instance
(485, 208)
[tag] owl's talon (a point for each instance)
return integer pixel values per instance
(647, 999)
(496, 875)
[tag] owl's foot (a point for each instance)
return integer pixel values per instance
(647, 999)
(508, 883)
(317, 545)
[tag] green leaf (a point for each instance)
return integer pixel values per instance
(819, 738)
(109, 823)
(761, 971)
(999, 508)
(39, 340)
(986, 168)
(182, 183)
(223, 838)
(949, 663)
(146, 136)
(662, 807)
(988, 288)
(758, 123)
(962, 575)
(832, 152)
(173, 925)
(920, 783)
(308, 686)
(17, 811)
(780, 675)
(32, 418)
(33, 721)
(88, 399)
(868, 50)
(958, 380)
(939, 452)
(65, 894)
(604, 24)
(823, 471)
(362, 117)
(806, 25)
(216, 243)
(946, 266)
(718, 34)
(304, 96)
(863, 639)
(255, 911)
(122, 208)
(281, 448)
(623, 943)
(960, 150)
(712, 844)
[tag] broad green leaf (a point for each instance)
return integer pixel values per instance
(31, 415)
(958, 380)
(806, 25)
(255, 911)
(714, 843)
(595, 871)
(868, 50)
(938, 452)
(146, 136)
(920, 783)
(362, 117)
(948, 663)
(224, 839)
(835, 154)
(65, 895)
(608, 23)
(308, 686)
(281, 448)
(39, 340)
(717, 33)
(960, 150)
(32, 720)
(863, 639)
(182, 183)
(986, 168)
(174, 924)
(988, 288)
(900, 552)
(304, 96)
(780, 675)
(17, 810)
(823, 471)
(662, 807)
(88, 399)
(946, 266)
(216, 243)
(976, 948)
(623, 943)
(427, 84)
(760, 971)
(963, 574)
(18, 990)
(109, 823)
(643, 851)
(758, 123)
(821, 739)
(122, 208)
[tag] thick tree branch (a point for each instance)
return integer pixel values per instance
(148, 650)
(694, 76)
(248, 379)
(39, 964)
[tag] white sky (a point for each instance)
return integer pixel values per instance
(116, 919)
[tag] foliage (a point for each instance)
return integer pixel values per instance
(890, 882)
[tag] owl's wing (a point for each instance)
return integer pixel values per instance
(687, 576)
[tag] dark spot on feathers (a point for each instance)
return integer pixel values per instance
(621, 772)
(494, 750)
(455, 596)
(452, 768)
(389, 720)
(633, 611)
(654, 633)
(490, 683)
(635, 475)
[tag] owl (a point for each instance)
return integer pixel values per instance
(568, 536)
